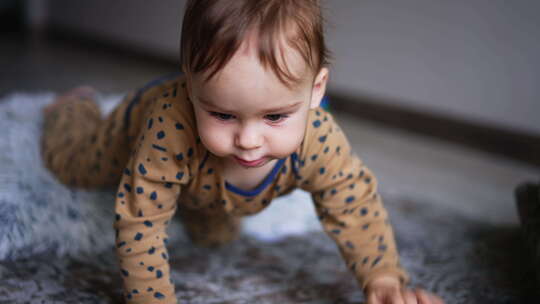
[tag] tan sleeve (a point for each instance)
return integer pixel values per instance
(146, 201)
(345, 195)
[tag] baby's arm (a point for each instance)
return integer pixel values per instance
(146, 201)
(345, 195)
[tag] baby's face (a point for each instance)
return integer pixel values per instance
(246, 113)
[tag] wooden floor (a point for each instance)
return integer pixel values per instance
(478, 184)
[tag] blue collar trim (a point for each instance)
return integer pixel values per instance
(268, 180)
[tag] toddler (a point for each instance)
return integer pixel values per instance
(240, 126)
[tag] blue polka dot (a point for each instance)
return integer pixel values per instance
(210, 171)
(190, 152)
(125, 272)
(120, 244)
(376, 261)
(322, 138)
(127, 187)
(150, 268)
(322, 170)
(129, 296)
(160, 135)
(207, 187)
(333, 192)
(118, 217)
(179, 175)
(179, 156)
(135, 291)
(150, 123)
(153, 196)
(142, 169)
(160, 119)
(138, 236)
(159, 295)
(150, 289)
(127, 172)
(326, 149)
(120, 194)
(382, 248)
(365, 227)
(140, 190)
(159, 148)
(148, 224)
(350, 199)
(179, 126)
(140, 213)
(168, 185)
(365, 260)
(363, 211)
(164, 255)
(152, 250)
(317, 123)
(336, 231)
(314, 157)
(159, 274)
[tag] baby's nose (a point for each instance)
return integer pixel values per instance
(248, 139)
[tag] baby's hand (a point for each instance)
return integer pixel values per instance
(388, 290)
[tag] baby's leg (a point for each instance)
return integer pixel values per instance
(210, 230)
(80, 147)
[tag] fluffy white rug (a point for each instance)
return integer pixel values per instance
(461, 259)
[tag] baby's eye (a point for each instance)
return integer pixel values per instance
(276, 117)
(221, 116)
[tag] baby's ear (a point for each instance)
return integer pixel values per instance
(319, 88)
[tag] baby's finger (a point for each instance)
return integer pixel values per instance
(436, 299)
(373, 299)
(427, 298)
(397, 298)
(409, 297)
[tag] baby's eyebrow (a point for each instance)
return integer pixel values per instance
(283, 108)
(273, 110)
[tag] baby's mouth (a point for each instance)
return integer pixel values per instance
(251, 164)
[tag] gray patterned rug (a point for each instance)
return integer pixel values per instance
(56, 245)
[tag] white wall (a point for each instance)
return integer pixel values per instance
(472, 59)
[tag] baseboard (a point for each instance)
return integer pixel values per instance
(516, 145)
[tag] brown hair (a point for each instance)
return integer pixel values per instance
(213, 30)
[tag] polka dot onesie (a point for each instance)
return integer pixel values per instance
(149, 147)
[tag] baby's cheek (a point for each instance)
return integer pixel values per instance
(217, 140)
(286, 142)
